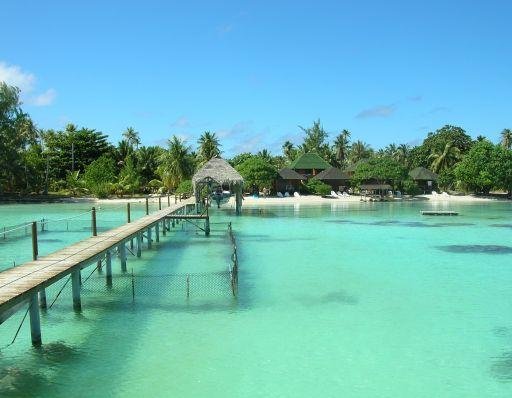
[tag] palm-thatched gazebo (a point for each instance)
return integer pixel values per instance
(424, 177)
(218, 171)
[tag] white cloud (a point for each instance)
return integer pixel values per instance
(377, 111)
(236, 130)
(13, 75)
(181, 123)
(43, 99)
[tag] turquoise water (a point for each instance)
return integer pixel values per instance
(353, 300)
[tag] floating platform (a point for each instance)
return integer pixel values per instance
(439, 213)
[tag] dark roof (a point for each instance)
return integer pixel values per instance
(309, 161)
(376, 187)
(421, 173)
(289, 174)
(332, 173)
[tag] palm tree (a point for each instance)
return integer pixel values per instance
(442, 160)
(265, 154)
(132, 137)
(289, 151)
(341, 147)
(209, 147)
(176, 163)
(506, 138)
(359, 150)
(402, 154)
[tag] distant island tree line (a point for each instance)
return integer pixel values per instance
(81, 161)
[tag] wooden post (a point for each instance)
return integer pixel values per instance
(150, 241)
(188, 286)
(35, 248)
(108, 261)
(128, 213)
(147, 206)
(139, 244)
(164, 227)
(35, 321)
(122, 255)
(159, 203)
(75, 287)
(168, 200)
(175, 199)
(157, 232)
(42, 298)
(93, 222)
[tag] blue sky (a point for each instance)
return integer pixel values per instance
(389, 71)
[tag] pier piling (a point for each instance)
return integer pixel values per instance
(122, 256)
(35, 321)
(93, 222)
(108, 266)
(75, 287)
(139, 244)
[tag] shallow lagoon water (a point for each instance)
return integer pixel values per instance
(350, 299)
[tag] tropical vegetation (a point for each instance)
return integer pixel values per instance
(80, 160)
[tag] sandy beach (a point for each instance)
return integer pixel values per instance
(303, 199)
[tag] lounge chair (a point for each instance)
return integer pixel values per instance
(286, 194)
(435, 194)
(445, 194)
(296, 194)
(279, 195)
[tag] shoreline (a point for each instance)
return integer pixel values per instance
(272, 200)
(318, 200)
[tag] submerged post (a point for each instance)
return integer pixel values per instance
(93, 222)
(35, 321)
(108, 261)
(139, 244)
(75, 287)
(159, 203)
(157, 232)
(164, 227)
(150, 241)
(122, 256)
(147, 206)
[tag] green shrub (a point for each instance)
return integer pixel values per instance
(185, 187)
(317, 187)
(410, 187)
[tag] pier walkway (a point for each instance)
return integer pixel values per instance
(26, 283)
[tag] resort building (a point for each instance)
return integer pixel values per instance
(337, 179)
(289, 180)
(424, 178)
(309, 164)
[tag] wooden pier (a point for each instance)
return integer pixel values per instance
(439, 213)
(26, 284)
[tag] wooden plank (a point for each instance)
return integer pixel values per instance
(17, 283)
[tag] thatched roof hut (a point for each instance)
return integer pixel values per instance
(288, 180)
(309, 163)
(422, 174)
(291, 175)
(219, 171)
(332, 173)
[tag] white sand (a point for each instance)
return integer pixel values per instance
(303, 199)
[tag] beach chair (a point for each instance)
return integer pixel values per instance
(279, 194)
(435, 194)
(286, 194)
(445, 194)
(296, 194)
(334, 195)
